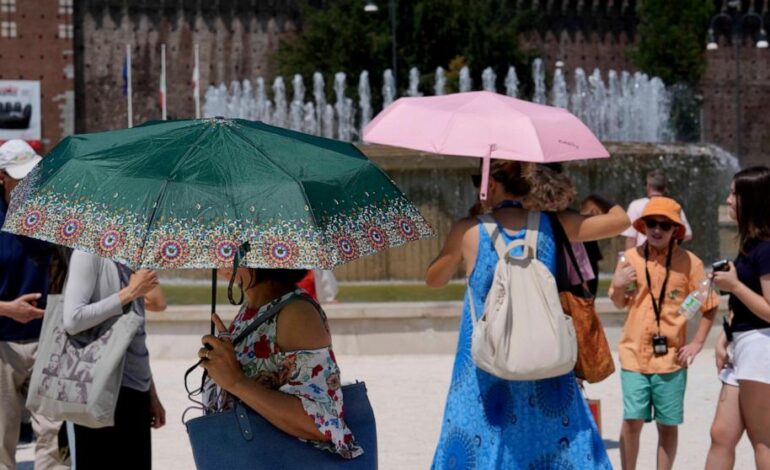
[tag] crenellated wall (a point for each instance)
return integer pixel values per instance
(236, 38)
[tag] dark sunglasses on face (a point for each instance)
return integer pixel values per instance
(476, 179)
(652, 223)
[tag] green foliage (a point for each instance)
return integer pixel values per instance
(337, 35)
(671, 46)
(672, 39)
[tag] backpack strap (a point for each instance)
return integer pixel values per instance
(530, 239)
(493, 230)
(533, 229)
(529, 242)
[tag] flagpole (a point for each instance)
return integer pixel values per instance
(163, 81)
(196, 85)
(128, 86)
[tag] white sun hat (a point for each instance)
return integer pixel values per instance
(17, 158)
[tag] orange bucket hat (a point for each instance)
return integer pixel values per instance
(664, 207)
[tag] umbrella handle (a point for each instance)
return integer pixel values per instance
(485, 173)
(213, 296)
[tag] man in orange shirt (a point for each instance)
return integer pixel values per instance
(653, 352)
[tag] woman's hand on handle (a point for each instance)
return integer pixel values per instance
(219, 359)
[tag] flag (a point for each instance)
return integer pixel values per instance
(125, 76)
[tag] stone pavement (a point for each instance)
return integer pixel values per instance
(408, 392)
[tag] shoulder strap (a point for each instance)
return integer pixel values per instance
(563, 241)
(271, 312)
(533, 229)
(493, 230)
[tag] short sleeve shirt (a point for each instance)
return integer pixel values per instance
(635, 348)
(750, 266)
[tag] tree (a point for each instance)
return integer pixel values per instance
(672, 37)
(671, 46)
(337, 35)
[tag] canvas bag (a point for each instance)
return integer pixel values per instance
(77, 377)
(523, 333)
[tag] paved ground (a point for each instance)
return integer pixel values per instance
(408, 391)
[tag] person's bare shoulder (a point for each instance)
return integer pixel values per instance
(300, 326)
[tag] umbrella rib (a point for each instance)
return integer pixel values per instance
(297, 181)
(163, 190)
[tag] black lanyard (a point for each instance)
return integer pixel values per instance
(658, 306)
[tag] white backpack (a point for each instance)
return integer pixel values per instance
(523, 333)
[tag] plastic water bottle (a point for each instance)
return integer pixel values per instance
(692, 304)
(632, 286)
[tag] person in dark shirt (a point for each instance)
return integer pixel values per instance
(24, 265)
(743, 349)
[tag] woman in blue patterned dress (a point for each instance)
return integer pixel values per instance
(491, 423)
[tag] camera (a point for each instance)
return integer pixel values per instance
(659, 345)
(721, 265)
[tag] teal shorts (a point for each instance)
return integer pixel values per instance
(663, 393)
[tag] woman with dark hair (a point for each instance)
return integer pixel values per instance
(494, 423)
(743, 349)
(285, 370)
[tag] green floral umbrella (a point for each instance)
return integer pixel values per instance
(188, 193)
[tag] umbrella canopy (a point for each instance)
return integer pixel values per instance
(485, 125)
(188, 193)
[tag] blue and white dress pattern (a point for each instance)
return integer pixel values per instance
(491, 423)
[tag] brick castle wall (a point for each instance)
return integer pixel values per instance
(233, 45)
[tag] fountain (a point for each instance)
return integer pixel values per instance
(466, 83)
(234, 99)
(310, 123)
(414, 82)
(488, 79)
(319, 94)
(247, 101)
(263, 106)
(342, 107)
(297, 109)
(559, 95)
(388, 88)
(280, 113)
(625, 107)
(364, 100)
(512, 83)
(328, 121)
(440, 85)
(538, 73)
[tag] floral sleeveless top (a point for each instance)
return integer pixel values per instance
(311, 375)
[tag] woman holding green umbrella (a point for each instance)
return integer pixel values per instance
(188, 194)
(285, 370)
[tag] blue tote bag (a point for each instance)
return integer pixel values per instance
(241, 439)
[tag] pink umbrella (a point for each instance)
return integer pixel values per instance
(486, 125)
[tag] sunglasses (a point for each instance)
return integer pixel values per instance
(476, 180)
(652, 223)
